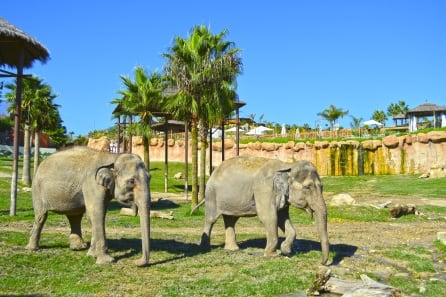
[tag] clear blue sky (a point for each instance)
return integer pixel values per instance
(299, 56)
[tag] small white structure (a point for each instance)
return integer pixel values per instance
(258, 130)
(427, 109)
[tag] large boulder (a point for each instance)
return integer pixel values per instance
(102, 143)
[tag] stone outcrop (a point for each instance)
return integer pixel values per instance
(102, 143)
(408, 154)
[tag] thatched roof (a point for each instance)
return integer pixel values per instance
(427, 109)
(13, 40)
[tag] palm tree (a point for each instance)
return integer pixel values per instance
(332, 114)
(356, 124)
(379, 116)
(397, 108)
(34, 92)
(143, 97)
(44, 116)
(203, 68)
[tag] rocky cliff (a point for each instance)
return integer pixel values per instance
(413, 154)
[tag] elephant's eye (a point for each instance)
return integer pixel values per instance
(130, 183)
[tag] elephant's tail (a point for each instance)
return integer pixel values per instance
(197, 206)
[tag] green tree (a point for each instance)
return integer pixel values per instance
(36, 101)
(397, 108)
(332, 114)
(203, 70)
(142, 98)
(379, 116)
(356, 124)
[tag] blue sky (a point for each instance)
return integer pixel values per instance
(298, 56)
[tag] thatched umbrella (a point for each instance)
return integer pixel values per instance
(17, 50)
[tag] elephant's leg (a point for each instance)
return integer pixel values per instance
(98, 246)
(269, 218)
(76, 241)
(288, 229)
(230, 240)
(39, 220)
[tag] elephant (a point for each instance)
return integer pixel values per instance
(84, 180)
(247, 186)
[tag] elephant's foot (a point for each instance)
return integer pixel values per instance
(142, 262)
(76, 242)
(231, 246)
(286, 248)
(104, 259)
(205, 241)
(270, 254)
(32, 247)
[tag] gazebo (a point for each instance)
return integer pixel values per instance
(427, 109)
(17, 50)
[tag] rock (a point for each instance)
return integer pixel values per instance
(102, 143)
(342, 199)
(178, 175)
(441, 236)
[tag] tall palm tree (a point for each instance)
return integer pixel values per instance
(44, 116)
(143, 97)
(203, 69)
(332, 114)
(34, 91)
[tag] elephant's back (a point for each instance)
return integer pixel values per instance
(72, 162)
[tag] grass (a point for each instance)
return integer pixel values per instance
(180, 268)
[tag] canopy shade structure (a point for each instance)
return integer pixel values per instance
(17, 50)
(234, 129)
(258, 130)
(13, 41)
(427, 109)
(373, 122)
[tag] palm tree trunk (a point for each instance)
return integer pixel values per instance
(194, 148)
(26, 172)
(36, 151)
(203, 147)
(146, 144)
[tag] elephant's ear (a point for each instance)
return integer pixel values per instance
(105, 177)
(281, 187)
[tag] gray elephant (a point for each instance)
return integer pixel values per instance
(80, 180)
(249, 186)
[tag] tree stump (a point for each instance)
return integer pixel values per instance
(367, 287)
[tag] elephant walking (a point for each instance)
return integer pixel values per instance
(249, 186)
(83, 180)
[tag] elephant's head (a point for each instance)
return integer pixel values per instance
(128, 179)
(305, 191)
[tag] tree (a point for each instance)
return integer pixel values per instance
(203, 69)
(142, 97)
(38, 112)
(397, 108)
(356, 124)
(44, 116)
(379, 116)
(332, 114)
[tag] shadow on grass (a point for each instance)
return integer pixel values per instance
(160, 204)
(304, 246)
(181, 249)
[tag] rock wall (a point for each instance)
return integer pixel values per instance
(412, 154)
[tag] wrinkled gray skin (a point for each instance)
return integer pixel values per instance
(81, 180)
(249, 186)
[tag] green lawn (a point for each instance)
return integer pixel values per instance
(180, 268)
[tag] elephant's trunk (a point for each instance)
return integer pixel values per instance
(142, 199)
(321, 221)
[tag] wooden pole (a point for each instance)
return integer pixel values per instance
(17, 112)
